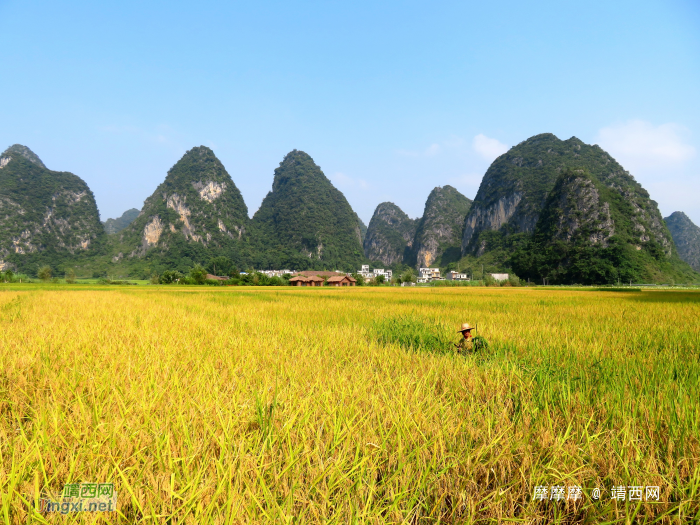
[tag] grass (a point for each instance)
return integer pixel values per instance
(280, 405)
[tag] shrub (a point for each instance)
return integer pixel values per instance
(408, 276)
(44, 273)
(198, 274)
(170, 277)
(360, 280)
(70, 276)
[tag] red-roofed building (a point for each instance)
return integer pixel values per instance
(341, 280)
(303, 280)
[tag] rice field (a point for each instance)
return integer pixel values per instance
(280, 405)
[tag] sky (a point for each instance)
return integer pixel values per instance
(390, 98)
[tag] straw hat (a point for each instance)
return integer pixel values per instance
(465, 327)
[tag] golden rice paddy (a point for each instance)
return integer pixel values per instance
(280, 405)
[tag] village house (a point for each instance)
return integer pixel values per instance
(430, 274)
(499, 276)
(456, 276)
(304, 280)
(368, 274)
(341, 280)
(319, 273)
(381, 271)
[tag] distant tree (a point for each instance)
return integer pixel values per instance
(220, 266)
(170, 277)
(198, 274)
(408, 276)
(155, 279)
(379, 279)
(360, 280)
(70, 276)
(9, 276)
(44, 273)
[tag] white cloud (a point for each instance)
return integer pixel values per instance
(660, 159)
(639, 143)
(433, 150)
(342, 180)
(487, 147)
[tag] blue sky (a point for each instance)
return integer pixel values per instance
(390, 98)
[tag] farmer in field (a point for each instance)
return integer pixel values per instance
(465, 344)
(469, 343)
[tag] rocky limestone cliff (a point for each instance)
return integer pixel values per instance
(516, 185)
(390, 235)
(589, 233)
(575, 209)
(196, 210)
(440, 229)
(46, 217)
(686, 235)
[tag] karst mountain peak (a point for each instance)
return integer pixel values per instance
(23, 151)
(548, 208)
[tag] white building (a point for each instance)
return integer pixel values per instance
(499, 276)
(456, 276)
(381, 271)
(276, 273)
(429, 273)
(368, 275)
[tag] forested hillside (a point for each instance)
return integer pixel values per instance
(540, 180)
(390, 235)
(46, 217)
(196, 214)
(116, 225)
(305, 222)
(686, 236)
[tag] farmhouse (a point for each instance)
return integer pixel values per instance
(318, 273)
(341, 280)
(303, 280)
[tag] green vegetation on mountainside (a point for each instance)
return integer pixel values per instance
(686, 236)
(197, 213)
(363, 229)
(46, 217)
(439, 233)
(390, 235)
(116, 225)
(587, 234)
(305, 222)
(530, 170)
(18, 149)
(526, 191)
